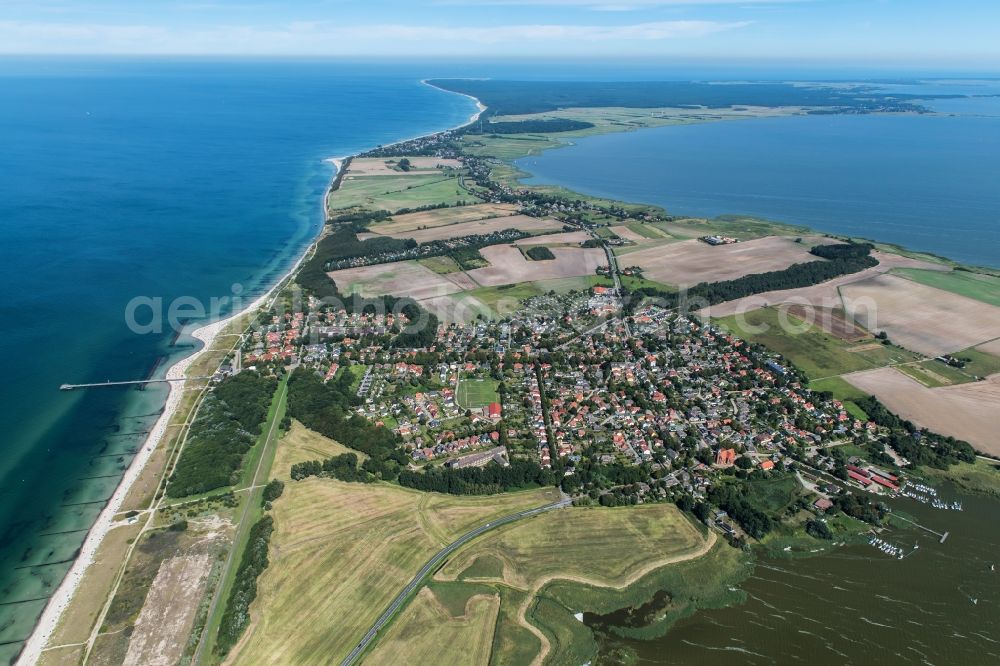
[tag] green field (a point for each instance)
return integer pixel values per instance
(983, 476)
(395, 192)
(812, 350)
(442, 265)
(981, 287)
(708, 581)
(743, 228)
(647, 230)
(774, 494)
(977, 363)
(933, 374)
(476, 393)
(634, 283)
(845, 392)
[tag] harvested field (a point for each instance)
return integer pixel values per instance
(404, 278)
(443, 216)
(992, 347)
(426, 632)
(823, 295)
(508, 265)
(379, 166)
(832, 320)
(567, 238)
(531, 225)
(341, 551)
(536, 549)
(162, 630)
(624, 232)
(457, 308)
(982, 287)
(689, 262)
(927, 320)
(966, 411)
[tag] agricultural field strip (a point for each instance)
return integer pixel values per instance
(431, 564)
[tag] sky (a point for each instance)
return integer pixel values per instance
(945, 33)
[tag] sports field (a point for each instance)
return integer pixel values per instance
(476, 393)
(340, 553)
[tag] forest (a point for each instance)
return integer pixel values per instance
(521, 97)
(227, 426)
(547, 125)
(236, 617)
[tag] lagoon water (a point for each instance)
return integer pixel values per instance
(925, 182)
(856, 605)
(146, 178)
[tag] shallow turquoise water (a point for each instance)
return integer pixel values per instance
(150, 178)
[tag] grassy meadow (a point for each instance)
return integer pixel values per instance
(979, 286)
(396, 192)
(813, 350)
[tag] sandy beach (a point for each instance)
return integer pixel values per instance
(206, 334)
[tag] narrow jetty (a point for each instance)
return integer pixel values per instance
(71, 387)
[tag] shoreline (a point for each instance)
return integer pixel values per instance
(62, 597)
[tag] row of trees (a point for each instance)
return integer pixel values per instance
(236, 617)
(842, 259)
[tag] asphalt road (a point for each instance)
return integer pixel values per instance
(432, 563)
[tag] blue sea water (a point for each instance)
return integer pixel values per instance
(149, 178)
(926, 182)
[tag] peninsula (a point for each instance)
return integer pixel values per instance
(476, 415)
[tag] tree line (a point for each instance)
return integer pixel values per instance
(236, 617)
(841, 259)
(919, 446)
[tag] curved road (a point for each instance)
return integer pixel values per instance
(431, 564)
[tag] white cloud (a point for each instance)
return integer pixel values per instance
(327, 38)
(613, 5)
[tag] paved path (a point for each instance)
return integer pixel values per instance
(432, 563)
